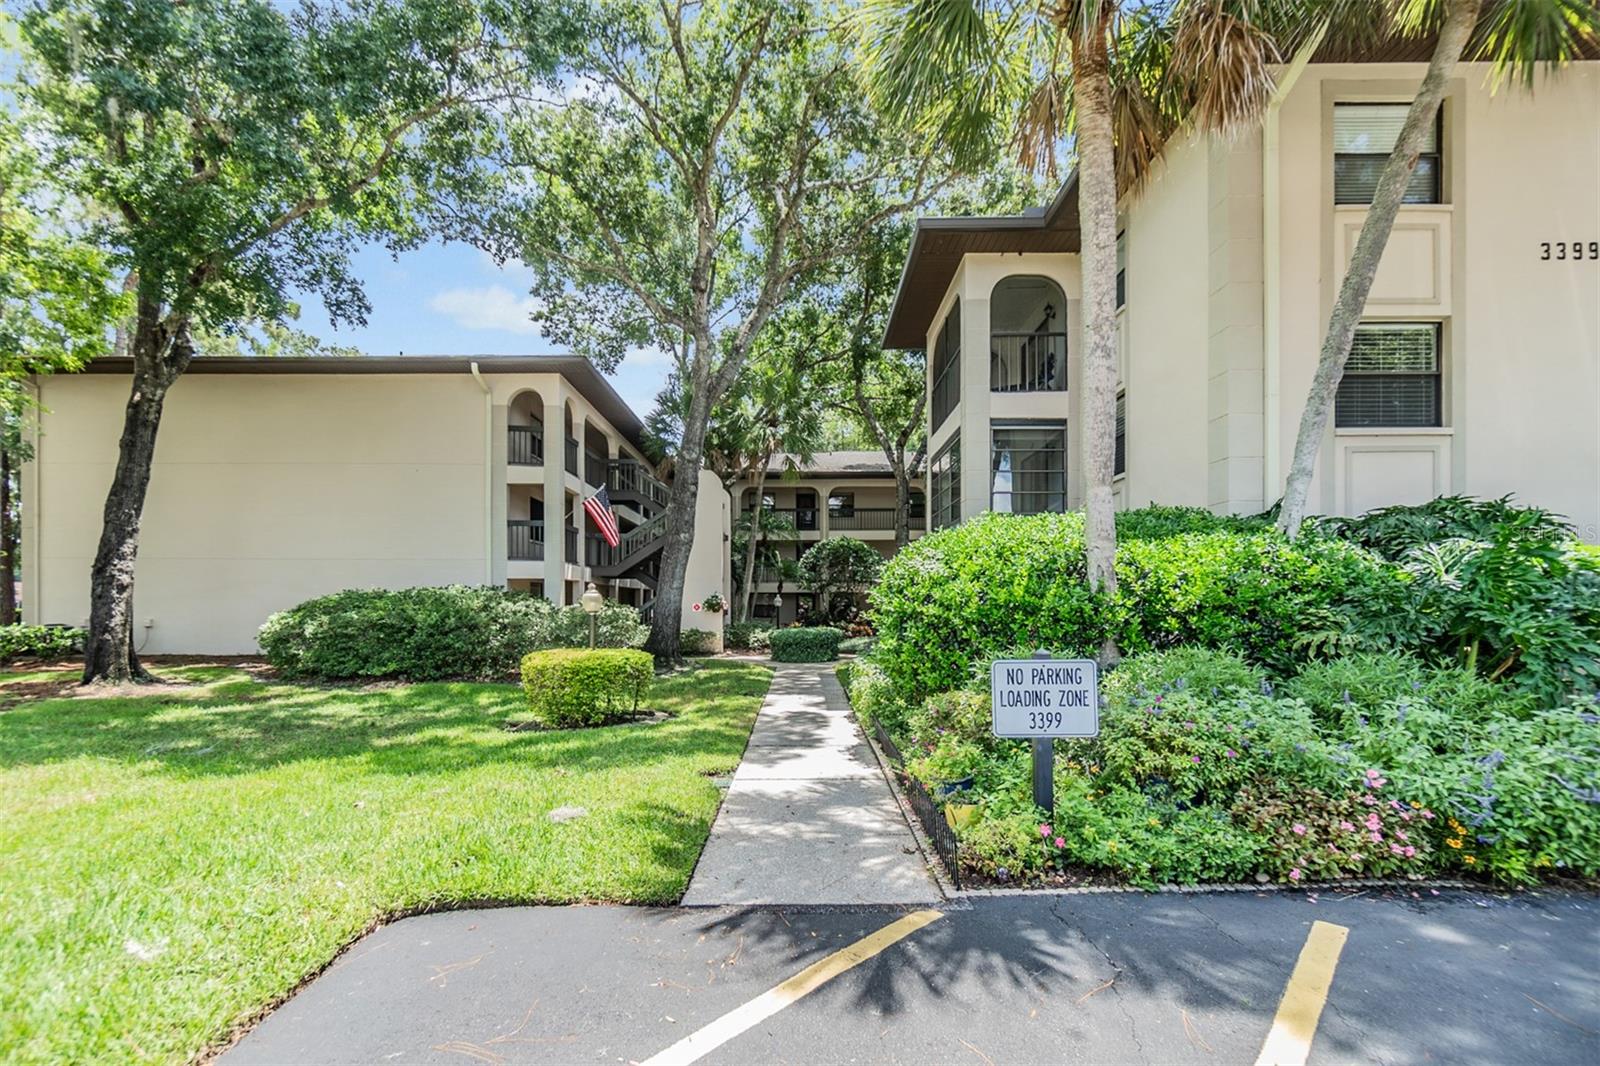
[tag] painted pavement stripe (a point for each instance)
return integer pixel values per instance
(1289, 1042)
(712, 1036)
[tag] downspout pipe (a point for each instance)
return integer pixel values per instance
(488, 473)
(1271, 270)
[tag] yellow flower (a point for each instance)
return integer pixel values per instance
(1469, 859)
(1454, 843)
(1155, 821)
(1112, 845)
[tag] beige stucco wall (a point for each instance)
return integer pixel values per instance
(266, 490)
(1521, 337)
(269, 489)
(1217, 358)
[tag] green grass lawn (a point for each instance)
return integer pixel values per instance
(171, 865)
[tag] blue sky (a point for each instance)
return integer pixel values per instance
(453, 300)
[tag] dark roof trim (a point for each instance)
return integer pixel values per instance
(939, 243)
(590, 383)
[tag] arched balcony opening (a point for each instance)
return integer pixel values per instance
(1027, 336)
(525, 429)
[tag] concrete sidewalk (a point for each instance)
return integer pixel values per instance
(809, 818)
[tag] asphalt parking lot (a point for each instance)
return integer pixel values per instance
(1454, 977)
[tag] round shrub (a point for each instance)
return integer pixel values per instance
(38, 642)
(572, 687)
(806, 644)
(417, 634)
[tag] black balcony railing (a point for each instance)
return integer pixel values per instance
(1027, 362)
(632, 478)
(524, 539)
(803, 519)
(525, 445)
(862, 518)
(572, 456)
(594, 467)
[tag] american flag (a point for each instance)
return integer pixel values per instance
(598, 508)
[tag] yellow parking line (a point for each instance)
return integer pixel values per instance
(1301, 1008)
(712, 1036)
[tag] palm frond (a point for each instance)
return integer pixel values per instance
(1220, 62)
(1518, 37)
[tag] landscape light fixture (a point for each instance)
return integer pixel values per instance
(594, 603)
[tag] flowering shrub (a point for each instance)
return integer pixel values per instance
(1308, 835)
(1377, 766)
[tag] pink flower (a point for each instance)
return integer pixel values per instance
(1232, 754)
(1376, 837)
(1299, 830)
(1410, 851)
(1397, 849)
(1373, 821)
(1061, 842)
(1333, 849)
(1369, 799)
(1347, 827)
(1195, 759)
(1371, 774)
(1427, 815)
(1396, 805)
(1044, 830)
(1294, 874)
(1401, 833)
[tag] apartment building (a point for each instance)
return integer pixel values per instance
(1476, 368)
(834, 494)
(277, 480)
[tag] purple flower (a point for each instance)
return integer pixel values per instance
(1195, 759)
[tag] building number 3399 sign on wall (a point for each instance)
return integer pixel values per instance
(1045, 697)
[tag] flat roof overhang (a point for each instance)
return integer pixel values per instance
(938, 245)
(581, 373)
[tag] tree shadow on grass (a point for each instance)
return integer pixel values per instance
(236, 727)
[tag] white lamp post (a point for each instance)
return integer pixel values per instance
(594, 603)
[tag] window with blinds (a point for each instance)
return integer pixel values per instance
(1363, 137)
(944, 483)
(1120, 456)
(1392, 378)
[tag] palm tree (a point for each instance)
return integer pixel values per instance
(1516, 36)
(1121, 80)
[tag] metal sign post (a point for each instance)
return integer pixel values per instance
(1040, 699)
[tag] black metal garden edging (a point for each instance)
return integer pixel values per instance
(927, 811)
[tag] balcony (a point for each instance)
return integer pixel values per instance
(594, 468)
(633, 480)
(525, 445)
(524, 539)
(572, 456)
(864, 518)
(1027, 362)
(803, 519)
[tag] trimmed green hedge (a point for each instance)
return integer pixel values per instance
(428, 634)
(572, 687)
(1002, 583)
(806, 644)
(38, 642)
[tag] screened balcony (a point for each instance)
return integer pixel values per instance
(1027, 336)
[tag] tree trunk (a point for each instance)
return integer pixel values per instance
(1460, 17)
(666, 619)
(747, 591)
(902, 503)
(1097, 220)
(161, 353)
(8, 544)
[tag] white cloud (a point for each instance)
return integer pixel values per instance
(493, 307)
